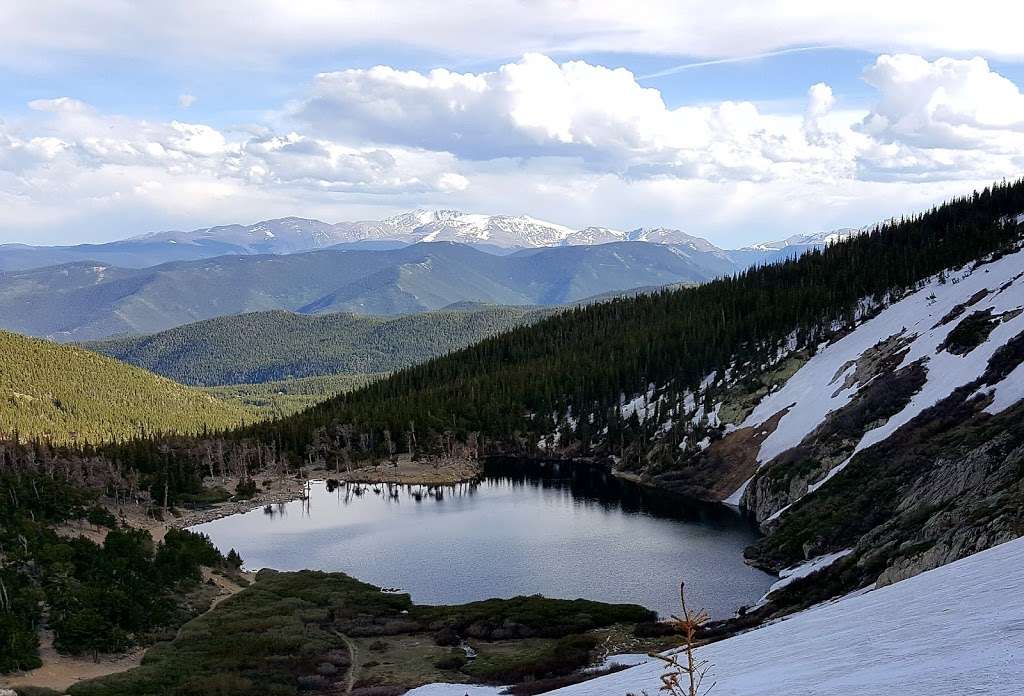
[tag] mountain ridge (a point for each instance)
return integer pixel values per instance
(84, 301)
(277, 345)
(293, 234)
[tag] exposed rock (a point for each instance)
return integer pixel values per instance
(789, 476)
(882, 358)
(717, 471)
(971, 332)
(960, 308)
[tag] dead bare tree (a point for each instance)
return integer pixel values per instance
(684, 672)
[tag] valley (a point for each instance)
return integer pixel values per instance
(794, 441)
(519, 348)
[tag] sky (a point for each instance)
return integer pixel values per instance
(735, 121)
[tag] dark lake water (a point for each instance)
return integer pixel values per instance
(560, 530)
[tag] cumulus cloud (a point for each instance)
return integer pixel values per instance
(186, 100)
(947, 117)
(570, 141)
(944, 103)
(79, 163)
(537, 107)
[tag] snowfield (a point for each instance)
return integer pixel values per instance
(958, 629)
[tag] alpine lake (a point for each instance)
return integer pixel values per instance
(561, 530)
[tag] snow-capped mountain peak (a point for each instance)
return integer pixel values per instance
(594, 235)
(813, 239)
(667, 235)
(468, 228)
(294, 234)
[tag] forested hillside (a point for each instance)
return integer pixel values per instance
(518, 386)
(265, 346)
(68, 395)
(287, 396)
(917, 464)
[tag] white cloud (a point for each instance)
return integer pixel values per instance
(194, 31)
(947, 117)
(65, 105)
(537, 107)
(74, 165)
(186, 100)
(945, 103)
(573, 142)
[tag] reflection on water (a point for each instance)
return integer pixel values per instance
(560, 530)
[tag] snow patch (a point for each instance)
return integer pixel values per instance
(895, 639)
(456, 690)
(1008, 392)
(737, 495)
(916, 316)
(804, 569)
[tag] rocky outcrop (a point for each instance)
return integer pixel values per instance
(948, 484)
(790, 475)
(722, 467)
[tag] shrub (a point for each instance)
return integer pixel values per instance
(101, 517)
(314, 682)
(245, 489)
(452, 662)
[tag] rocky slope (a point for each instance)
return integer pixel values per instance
(895, 446)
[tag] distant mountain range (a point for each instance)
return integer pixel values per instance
(89, 300)
(495, 233)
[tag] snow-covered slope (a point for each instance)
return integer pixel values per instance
(887, 440)
(665, 235)
(913, 331)
(953, 630)
(499, 230)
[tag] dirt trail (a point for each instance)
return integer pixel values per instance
(353, 669)
(61, 671)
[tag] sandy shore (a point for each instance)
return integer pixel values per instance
(277, 491)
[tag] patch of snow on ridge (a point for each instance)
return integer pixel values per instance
(737, 495)
(955, 629)
(804, 569)
(814, 391)
(456, 690)
(1008, 392)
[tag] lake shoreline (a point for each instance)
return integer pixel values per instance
(427, 472)
(434, 471)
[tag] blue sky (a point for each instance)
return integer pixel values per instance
(119, 119)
